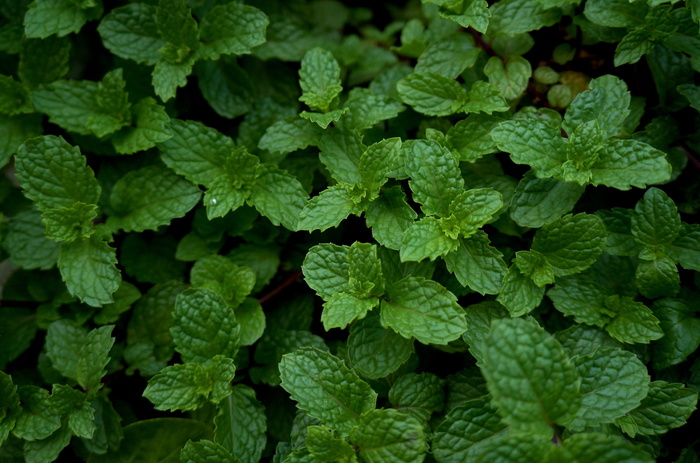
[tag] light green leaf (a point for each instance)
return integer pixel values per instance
(324, 119)
(86, 107)
(324, 446)
(448, 57)
(540, 201)
(206, 451)
(607, 101)
(471, 137)
(41, 161)
(325, 269)
(532, 380)
(88, 268)
(633, 47)
(375, 351)
(9, 402)
(626, 163)
(484, 97)
(319, 78)
(435, 176)
(219, 274)
(26, 243)
(240, 424)
(49, 448)
(600, 448)
(389, 216)
(289, 135)
(149, 127)
(326, 388)
(131, 32)
(432, 94)
(512, 17)
(251, 318)
(633, 322)
(70, 223)
(656, 221)
(465, 429)
(511, 77)
(167, 77)
(472, 209)
(519, 293)
(571, 243)
(231, 29)
(343, 308)
(204, 326)
(388, 436)
(341, 150)
(423, 309)
(613, 382)
(534, 143)
(376, 163)
(616, 13)
(666, 406)
(328, 209)
(279, 196)
(681, 332)
(425, 239)
(150, 197)
(477, 264)
(60, 17)
(514, 447)
(366, 108)
(534, 265)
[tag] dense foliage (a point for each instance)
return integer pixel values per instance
(314, 231)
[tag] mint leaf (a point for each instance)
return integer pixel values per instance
(43, 61)
(423, 309)
(432, 94)
(598, 447)
(681, 335)
(341, 151)
(420, 394)
(327, 389)
(512, 17)
(532, 142)
(226, 86)
(150, 197)
(389, 216)
(27, 244)
(278, 196)
(666, 406)
(658, 277)
(41, 160)
(328, 209)
(240, 425)
(519, 294)
(324, 446)
(546, 393)
(632, 322)
(425, 239)
(9, 404)
(477, 264)
(685, 249)
(540, 201)
(511, 77)
(607, 102)
(656, 221)
(131, 32)
(60, 17)
(385, 436)
(289, 135)
(204, 451)
(319, 78)
(471, 137)
(87, 266)
(326, 269)
(219, 274)
(448, 57)
(376, 163)
(204, 326)
(465, 429)
(375, 351)
(479, 318)
(149, 127)
(366, 108)
(231, 29)
(613, 382)
(623, 164)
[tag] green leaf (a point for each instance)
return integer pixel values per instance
(681, 332)
(86, 107)
(343, 308)
(328, 209)
(131, 32)
(325, 269)
(448, 57)
(27, 244)
(219, 274)
(70, 223)
(511, 77)
(484, 97)
(289, 135)
(14, 131)
(519, 294)
(658, 277)
(666, 406)
(432, 94)
(389, 216)
(623, 164)
(73, 404)
(512, 17)
(376, 163)
(633, 47)
(418, 393)
(168, 77)
(176, 24)
(540, 201)
(204, 326)
(534, 143)
(341, 151)
(465, 429)
(240, 425)
(324, 119)
(582, 299)
(656, 221)
(425, 239)
(375, 351)
(60, 17)
(38, 419)
(613, 382)
(472, 209)
(532, 380)
(535, 265)
(633, 322)
(226, 86)
(88, 267)
(278, 196)
(14, 97)
(423, 309)
(686, 248)
(599, 448)
(366, 108)
(149, 127)
(150, 197)
(479, 319)
(607, 101)
(616, 13)
(328, 390)
(319, 78)
(44, 60)
(435, 177)
(571, 243)
(471, 137)
(231, 29)
(49, 448)
(42, 160)
(324, 446)
(477, 264)
(206, 451)
(9, 403)
(385, 436)
(17, 329)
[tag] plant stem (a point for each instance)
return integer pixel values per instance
(281, 287)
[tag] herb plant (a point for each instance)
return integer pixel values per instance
(309, 231)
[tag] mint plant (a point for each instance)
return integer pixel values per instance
(314, 231)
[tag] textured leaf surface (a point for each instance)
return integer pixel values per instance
(375, 351)
(279, 196)
(319, 78)
(326, 388)
(205, 451)
(328, 209)
(385, 436)
(681, 332)
(599, 448)
(657, 221)
(240, 424)
(539, 201)
(130, 32)
(232, 28)
(607, 102)
(532, 142)
(432, 94)
(477, 264)
(623, 164)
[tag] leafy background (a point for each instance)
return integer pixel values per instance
(310, 231)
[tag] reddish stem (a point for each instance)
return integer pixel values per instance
(281, 287)
(480, 41)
